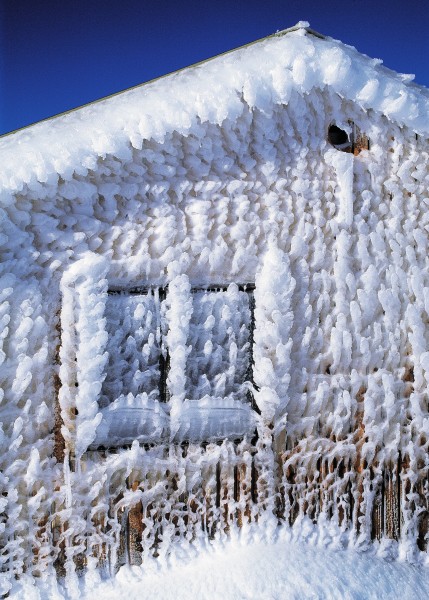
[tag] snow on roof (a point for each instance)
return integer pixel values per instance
(263, 73)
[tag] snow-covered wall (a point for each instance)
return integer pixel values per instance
(336, 246)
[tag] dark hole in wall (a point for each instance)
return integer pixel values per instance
(337, 136)
(352, 142)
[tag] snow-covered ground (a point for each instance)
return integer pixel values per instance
(260, 570)
(250, 567)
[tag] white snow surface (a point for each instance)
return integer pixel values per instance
(267, 571)
(251, 565)
(261, 74)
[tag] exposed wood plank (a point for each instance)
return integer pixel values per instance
(135, 530)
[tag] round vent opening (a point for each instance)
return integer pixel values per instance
(338, 137)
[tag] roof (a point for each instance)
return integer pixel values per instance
(263, 72)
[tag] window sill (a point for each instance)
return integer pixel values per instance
(206, 420)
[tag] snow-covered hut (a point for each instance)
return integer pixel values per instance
(215, 310)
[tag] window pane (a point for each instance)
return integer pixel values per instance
(219, 363)
(134, 346)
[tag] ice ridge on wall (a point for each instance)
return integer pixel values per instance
(253, 194)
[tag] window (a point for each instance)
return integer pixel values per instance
(133, 327)
(134, 384)
(219, 366)
(220, 339)
(134, 398)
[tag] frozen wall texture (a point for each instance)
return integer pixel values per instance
(280, 283)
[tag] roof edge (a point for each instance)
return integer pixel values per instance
(301, 25)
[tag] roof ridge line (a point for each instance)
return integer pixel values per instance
(299, 26)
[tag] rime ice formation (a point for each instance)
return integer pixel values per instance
(192, 261)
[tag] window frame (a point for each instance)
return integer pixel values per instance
(164, 361)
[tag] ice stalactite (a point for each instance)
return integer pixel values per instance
(178, 315)
(87, 323)
(274, 288)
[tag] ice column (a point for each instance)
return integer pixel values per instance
(343, 165)
(273, 323)
(178, 317)
(84, 289)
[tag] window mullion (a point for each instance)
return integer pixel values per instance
(249, 377)
(164, 357)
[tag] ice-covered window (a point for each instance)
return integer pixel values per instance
(134, 400)
(218, 376)
(133, 326)
(134, 383)
(219, 363)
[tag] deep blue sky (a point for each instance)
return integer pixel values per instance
(60, 54)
